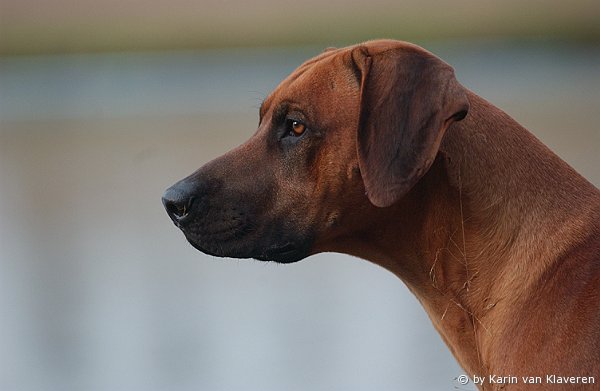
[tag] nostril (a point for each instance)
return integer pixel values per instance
(177, 207)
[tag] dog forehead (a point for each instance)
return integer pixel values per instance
(329, 72)
(316, 78)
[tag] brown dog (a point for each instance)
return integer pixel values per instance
(377, 151)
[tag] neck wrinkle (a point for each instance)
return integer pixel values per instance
(431, 241)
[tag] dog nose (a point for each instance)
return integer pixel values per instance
(178, 203)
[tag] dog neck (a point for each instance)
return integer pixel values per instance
(473, 238)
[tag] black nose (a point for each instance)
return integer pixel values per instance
(177, 202)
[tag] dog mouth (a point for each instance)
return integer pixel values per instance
(287, 253)
(233, 231)
(250, 246)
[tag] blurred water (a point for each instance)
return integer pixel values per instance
(98, 291)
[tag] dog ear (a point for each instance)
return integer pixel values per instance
(408, 98)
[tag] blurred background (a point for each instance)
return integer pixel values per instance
(104, 104)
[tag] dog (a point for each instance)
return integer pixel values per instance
(376, 150)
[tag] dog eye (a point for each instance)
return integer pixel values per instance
(295, 128)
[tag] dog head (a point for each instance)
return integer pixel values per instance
(347, 134)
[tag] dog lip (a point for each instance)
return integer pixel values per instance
(200, 248)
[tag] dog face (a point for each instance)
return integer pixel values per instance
(271, 197)
(336, 140)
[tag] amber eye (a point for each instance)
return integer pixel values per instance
(297, 128)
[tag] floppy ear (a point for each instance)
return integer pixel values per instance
(408, 98)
